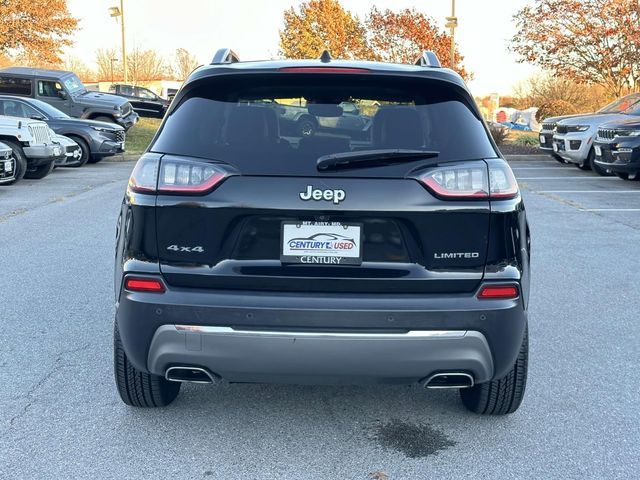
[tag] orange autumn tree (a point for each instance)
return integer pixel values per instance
(402, 36)
(319, 25)
(589, 41)
(35, 29)
(384, 35)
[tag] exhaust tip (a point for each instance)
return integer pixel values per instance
(189, 375)
(449, 380)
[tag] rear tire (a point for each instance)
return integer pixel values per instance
(139, 389)
(84, 150)
(41, 171)
(499, 397)
(306, 126)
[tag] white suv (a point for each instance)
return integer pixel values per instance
(33, 147)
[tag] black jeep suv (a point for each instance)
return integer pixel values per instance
(617, 148)
(247, 255)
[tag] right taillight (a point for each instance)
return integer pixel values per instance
(471, 180)
(175, 175)
(495, 292)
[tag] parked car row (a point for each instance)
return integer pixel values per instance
(607, 141)
(37, 125)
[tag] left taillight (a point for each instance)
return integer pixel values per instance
(175, 175)
(471, 180)
(134, 284)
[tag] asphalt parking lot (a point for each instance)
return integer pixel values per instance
(60, 416)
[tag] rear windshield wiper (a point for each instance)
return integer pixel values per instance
(371, 158)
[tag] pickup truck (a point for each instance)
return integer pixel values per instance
(65, 91)
(144, 102)
(34, 150)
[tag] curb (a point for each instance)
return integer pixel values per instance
(129, 157)
(533, 156)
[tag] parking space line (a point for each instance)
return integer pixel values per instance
(568, 178)
(536, 168)
(610, 209)
(589, 191)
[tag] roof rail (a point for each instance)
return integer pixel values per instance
(428, 59)
(225, 55)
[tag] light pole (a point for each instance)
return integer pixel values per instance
(116, 12)
(452, 23)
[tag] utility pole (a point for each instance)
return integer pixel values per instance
(452, 23)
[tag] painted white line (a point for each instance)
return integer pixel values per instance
(536, 168)
(588, 191)
(610, 209)
(567, 178)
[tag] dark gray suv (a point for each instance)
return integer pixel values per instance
(65, 91)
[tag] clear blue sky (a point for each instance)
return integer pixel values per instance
(251, 27)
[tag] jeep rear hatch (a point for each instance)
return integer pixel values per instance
(245, 203)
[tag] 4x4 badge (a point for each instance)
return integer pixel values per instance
(329, 195)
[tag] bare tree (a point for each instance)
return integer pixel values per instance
(144, 65)
(109, 66)
(185, 63)
(77, 66)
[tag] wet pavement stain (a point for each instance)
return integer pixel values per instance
(415, 441)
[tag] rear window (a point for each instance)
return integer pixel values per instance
(15, 86)
(281, 124)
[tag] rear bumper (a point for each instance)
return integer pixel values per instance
(305, 338)
(320, 357)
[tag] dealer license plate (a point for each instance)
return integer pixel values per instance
(8, 167)
(598, 150)
(543, 139)
(321, 243)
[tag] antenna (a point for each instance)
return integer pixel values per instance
(326, 57)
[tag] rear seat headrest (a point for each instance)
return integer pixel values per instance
(249, 124)
(397, 127)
